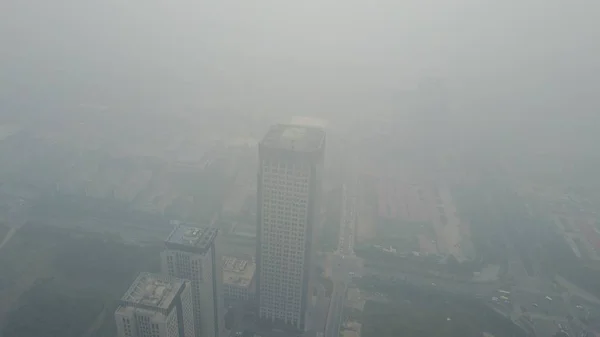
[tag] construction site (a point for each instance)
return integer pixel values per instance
(412, 216)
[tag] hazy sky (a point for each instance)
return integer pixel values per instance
(498, 60)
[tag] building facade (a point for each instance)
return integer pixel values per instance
(289, 197)
(190, 254)
(156, 306)
(238, 279)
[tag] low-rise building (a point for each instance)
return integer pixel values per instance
(238, 278)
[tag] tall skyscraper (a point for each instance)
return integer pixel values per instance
(190, 254)
(156, 306)
(289, 197)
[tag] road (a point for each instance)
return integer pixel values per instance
(344, 263)
(471, 289)
(336, 310)
(526, 303)
(9, 235)
(16, 218)
(526, 307)
(321, 309)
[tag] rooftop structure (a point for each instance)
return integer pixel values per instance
(296, 138)
(191, 239)
(152, 291)
(238, 272)
(156, 306)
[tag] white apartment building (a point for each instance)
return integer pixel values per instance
(156, 306)
(289, 199)
(238, 279)
(190, 254)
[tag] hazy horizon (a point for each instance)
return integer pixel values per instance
(500, 61)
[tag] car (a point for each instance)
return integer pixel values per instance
(535, 305)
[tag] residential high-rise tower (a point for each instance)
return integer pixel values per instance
(156, 306)
(289, 201)
(190, 254)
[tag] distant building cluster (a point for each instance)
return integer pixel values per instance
(187, 299)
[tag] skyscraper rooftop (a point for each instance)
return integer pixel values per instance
(190, 238)
(295, 138)
(152, 291)
(238, 272)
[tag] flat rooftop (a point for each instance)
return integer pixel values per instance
(191, 238)
(244, 229)
(152, 291)
(238, 272)
(294, 138)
